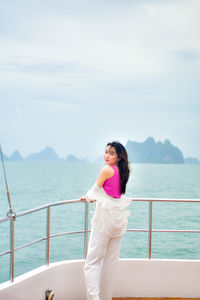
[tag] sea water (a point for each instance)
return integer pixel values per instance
(35, 184)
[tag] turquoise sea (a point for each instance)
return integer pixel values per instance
(34, 184)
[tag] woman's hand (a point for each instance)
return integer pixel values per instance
(83, 199)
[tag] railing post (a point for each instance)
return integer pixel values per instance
(150, 227)
(48, 237)
(12, 248)
(86, 229)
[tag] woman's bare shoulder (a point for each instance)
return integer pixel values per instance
(105, 173)
(107, 170)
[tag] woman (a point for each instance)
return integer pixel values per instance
(108, 222)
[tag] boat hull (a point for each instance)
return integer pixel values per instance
(134, 278)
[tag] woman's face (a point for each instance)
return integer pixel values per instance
(110, 156)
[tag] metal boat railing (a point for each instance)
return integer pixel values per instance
(12, 217)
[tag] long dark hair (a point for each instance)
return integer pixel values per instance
(123, 164)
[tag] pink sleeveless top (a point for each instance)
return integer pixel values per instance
(112, 185)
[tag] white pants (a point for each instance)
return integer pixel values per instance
(100, 265)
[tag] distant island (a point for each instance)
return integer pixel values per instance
(148, 151)
(48, 155)
(151, 152)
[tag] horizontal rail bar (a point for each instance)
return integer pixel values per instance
(40, 240)
(176, 230)
(163, 200)
(30, 244)
(65, 233)
(82, 231)
(138, 230)
(4, 253)
(43, 239)
(5, 219)
(164, 230)
(20, 214)
(30, 211)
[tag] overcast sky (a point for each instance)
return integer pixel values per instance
(77, 74)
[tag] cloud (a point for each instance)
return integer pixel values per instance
(135, 40)
(46, 68)
(188, 56)
(77, 68)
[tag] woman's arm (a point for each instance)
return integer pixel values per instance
(105, 173)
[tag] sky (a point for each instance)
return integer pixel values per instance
(75, 75)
